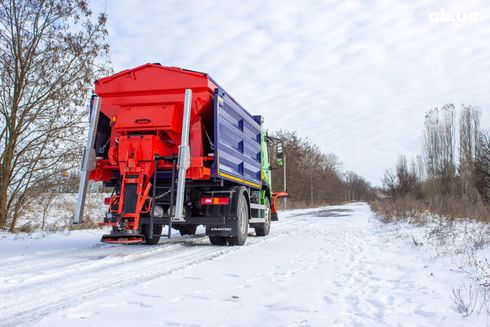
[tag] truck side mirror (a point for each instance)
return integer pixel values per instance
(280, 154)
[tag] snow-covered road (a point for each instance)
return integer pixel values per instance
(333, 266)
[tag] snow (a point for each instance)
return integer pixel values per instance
(60, 212)
(330, 266)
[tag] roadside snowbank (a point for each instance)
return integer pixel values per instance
(464, 244)
(58, 211)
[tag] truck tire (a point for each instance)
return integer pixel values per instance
(218, 240)
(242, 220)
(187, 230)
(157, 232)
(264, 229)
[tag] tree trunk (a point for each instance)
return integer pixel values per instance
(15, 215)
(4, 184)
(311, 191)
(13, 223)
(3, 214)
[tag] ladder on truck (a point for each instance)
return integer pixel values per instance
(163, 195)
(176, 188)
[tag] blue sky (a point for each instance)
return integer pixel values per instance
(354, 77)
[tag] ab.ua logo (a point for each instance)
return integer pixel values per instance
(444, 16)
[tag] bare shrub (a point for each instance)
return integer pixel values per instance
(479, 238)
(46, 202)
(403, 181)
(415, 242)
(28, 227)
(87, 223)
(454, 207)
(418, 211)
(406, 208)
(466, 298)
(483, 273)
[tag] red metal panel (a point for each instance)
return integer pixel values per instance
(150, 98)
(151, 78)
(145, 109)
(148, 118)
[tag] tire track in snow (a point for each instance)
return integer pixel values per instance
(36, 298)
(51, 267)
(52, 259)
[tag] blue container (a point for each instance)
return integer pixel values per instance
(237, 138)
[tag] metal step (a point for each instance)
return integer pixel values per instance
(168, 188)
(257, 213)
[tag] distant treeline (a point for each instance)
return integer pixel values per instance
(313, 177)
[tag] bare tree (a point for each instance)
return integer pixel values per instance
(390, 183)
(439, 147)
(404, 181)
(48, 50)
(469, 131)
(482, 166)
(46, 200)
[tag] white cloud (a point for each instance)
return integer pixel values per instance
(354, 77)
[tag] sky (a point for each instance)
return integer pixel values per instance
(355, 77)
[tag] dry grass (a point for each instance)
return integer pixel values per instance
(85, 224)
(392, 210)
(417, 211)
(445, 219)
(28, 227)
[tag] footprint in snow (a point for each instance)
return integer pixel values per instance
(327, 300)
(424, 313)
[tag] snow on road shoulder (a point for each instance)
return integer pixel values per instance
(23, 246)
(332, 266)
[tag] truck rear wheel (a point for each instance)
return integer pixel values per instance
(157, 232)
(218, 240)
(264, 229)
(242, 220)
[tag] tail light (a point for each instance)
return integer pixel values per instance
(214, 201)
(107, 201)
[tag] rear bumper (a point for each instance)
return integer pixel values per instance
(204, 220)
(215, 226)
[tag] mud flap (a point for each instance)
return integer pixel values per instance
(228, 229)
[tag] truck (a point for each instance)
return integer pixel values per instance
(177, 150)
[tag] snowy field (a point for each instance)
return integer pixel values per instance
(331, 266)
